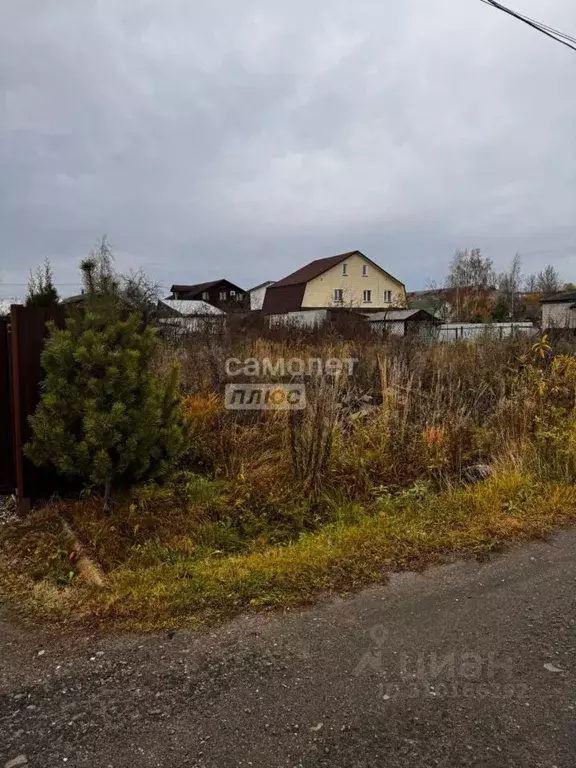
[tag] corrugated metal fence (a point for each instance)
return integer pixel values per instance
(453, 331)
(471, 331)
(22, 338)
(7, 484)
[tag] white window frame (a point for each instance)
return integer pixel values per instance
(345, 269)
(388, 297)
(338, 295)
(205, 296)
(223, 295)
(367, 297)
(364, 270)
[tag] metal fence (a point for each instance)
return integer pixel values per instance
(453, 331)
(22, 338)
(7, 484)
(475, 331)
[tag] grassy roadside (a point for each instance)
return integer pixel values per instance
(163, 580)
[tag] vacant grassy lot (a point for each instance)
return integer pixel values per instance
(271, 509)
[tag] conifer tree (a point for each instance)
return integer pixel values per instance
(41, 289)
(103, 416)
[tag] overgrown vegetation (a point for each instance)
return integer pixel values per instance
(104, 417)
(269, 508)
(41, 289)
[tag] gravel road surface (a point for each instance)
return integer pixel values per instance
(469, 664)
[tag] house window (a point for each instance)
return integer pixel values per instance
(345, 269)
(338, 295)
(367, 296)
(387, 297)
(223, 296)
(205, 296)
(240, 297)
(364, 270)
(232, 293)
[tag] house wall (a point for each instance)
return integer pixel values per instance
(320, 291)
(558, 315)
(257, 297)
(309, 318)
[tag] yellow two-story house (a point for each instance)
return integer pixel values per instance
(349, 280)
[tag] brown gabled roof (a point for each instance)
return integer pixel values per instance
(260, 285)
(195, 288)
(286, 295)
(319, 266)
(561, 297)
(312, 270)
(284, 298)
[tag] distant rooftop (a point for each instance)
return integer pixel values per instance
(561, 297)
(190, 308)
(394, 315)
(265, 284)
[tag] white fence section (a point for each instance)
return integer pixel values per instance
(305, 318)
(471, 331)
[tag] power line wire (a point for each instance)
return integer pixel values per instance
(540, 24)
(555, 34)
(553, 30)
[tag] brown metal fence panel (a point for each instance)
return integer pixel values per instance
(28, 336)
(7, 474)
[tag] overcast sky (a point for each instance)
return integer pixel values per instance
(244, 139)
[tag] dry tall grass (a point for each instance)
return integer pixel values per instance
(270, 507)
(410, 412)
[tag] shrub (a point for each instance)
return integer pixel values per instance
(103, 417)
(41, 289)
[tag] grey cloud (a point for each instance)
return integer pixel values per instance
(242, 139)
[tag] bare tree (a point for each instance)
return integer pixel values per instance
(98, 276)
(510, 284)
(531, 283)
(470, 282)
(140, 292)
(135, 289)
(548, 280)
(470, 269)
(436, 300)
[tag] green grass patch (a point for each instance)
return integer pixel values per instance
(182, 569)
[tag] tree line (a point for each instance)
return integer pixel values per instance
(473, 291)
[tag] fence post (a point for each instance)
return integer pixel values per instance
(27, 339)
(22, 502)
(7, 479)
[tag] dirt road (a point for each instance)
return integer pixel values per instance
(471, 664)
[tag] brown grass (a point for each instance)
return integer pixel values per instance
(171, 584)
(270, 509)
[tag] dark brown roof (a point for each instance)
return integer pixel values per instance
(283, 298)
(319, 266)
(563, 297)
(314, 269)
(198, 288)
(286, 295)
